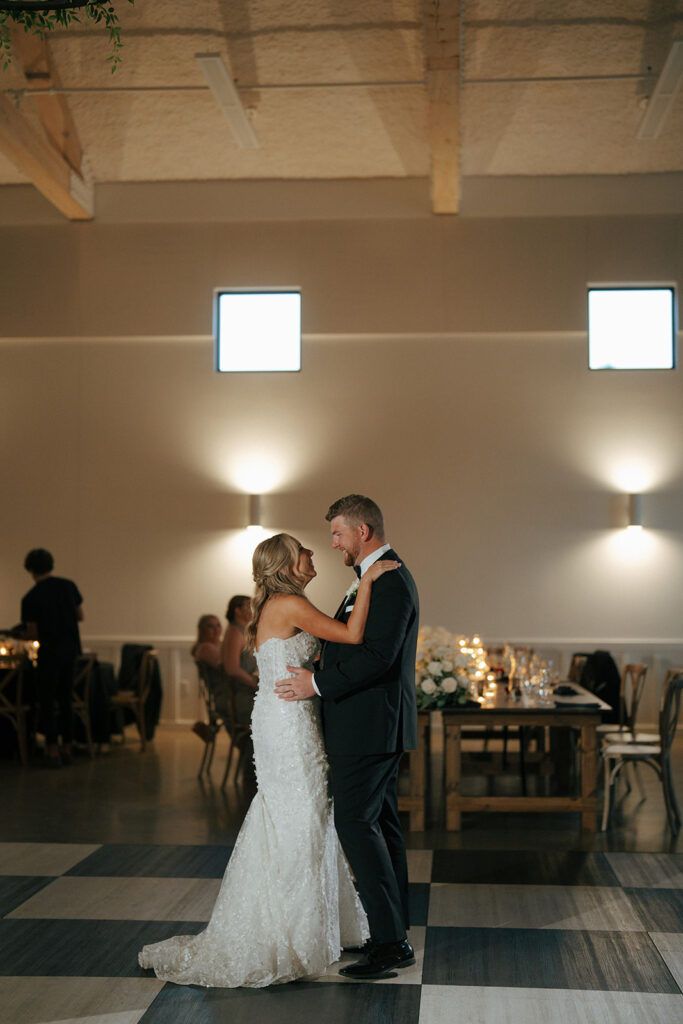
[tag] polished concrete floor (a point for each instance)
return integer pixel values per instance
(517, 918)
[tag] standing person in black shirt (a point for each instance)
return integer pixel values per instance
(50, 613)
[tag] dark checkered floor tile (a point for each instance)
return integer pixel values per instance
(104, 949)
(155, 861)
(522, 867)
(661, 910)
(16, 889)
(297, 1003)
(543, 958)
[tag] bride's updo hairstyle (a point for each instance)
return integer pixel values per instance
(274, 570)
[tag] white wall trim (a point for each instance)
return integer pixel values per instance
(182, 705)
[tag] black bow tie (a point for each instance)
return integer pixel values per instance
(356, 569)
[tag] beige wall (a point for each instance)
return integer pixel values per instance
(444, 372)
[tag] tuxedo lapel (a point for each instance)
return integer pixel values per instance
(339, 616)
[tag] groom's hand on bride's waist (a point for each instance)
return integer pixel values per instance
(300, 687)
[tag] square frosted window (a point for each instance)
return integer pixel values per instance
(631, 329)
(258, 331)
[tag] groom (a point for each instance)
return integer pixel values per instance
(369, 719)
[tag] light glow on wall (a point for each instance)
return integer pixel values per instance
(634, 476)
(257, 473)
(632, 545)
(631, 328)
(258, 331)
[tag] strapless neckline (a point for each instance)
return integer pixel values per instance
(282, 639)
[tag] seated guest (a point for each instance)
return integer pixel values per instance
(50, 612)
(238, 663)
(207, 646)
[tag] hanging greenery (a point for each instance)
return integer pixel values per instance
(40, 18)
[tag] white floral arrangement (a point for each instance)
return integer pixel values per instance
(448, 668)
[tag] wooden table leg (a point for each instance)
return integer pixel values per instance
(588, 778)
(452, 753)
(418, 776)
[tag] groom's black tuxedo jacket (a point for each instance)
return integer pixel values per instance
(368, 689)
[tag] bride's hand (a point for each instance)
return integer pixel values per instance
(378, 569)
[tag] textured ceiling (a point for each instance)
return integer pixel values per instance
(335, 89)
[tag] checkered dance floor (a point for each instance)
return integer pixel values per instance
(501, 936)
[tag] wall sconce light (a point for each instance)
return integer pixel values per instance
(635, 511)
(254, 518)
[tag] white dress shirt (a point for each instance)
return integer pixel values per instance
(374, 556)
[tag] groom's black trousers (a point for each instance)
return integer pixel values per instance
(365, 793)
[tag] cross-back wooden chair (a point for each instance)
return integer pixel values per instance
(576, 667)
(216, 720)
(240, 734)
(656, 755)
(81, 695)
(135, 698)
(12, 705)
(633, 678)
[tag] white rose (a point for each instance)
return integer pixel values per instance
(447, 665)
(428, 686)
(461, 660)
(449, 685)
(434, 668)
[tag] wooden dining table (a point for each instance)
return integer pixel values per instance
(581, 711)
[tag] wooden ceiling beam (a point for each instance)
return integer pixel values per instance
(54, 161)
(53, 109)
(47, 169)
(441, 23)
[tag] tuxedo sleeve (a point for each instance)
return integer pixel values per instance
(392, 609)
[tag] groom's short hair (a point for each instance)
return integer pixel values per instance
(357, 509)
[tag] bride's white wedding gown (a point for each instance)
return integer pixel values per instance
(287, 902)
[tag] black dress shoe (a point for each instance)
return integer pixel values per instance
(382, 960)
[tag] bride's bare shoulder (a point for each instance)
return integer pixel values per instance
(278, 618)
(278, 611)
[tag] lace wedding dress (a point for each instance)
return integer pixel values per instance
(287, 902)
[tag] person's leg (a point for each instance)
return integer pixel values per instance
(359, 786)
(390, 825)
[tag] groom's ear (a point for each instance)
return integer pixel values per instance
(365, 531)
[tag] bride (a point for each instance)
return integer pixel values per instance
(287, 903)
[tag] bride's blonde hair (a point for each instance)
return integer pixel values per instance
(274, 566)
